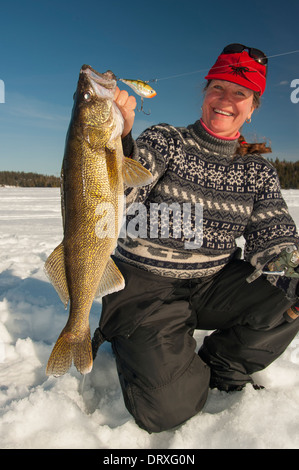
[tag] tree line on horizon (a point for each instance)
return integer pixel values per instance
(288, 173)
(28, 180)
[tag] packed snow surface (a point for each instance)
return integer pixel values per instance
(68, 412)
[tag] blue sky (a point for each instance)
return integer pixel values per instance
(44, 44)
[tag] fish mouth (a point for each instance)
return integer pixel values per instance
(103, 84)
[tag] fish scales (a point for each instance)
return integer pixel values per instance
(93, 174)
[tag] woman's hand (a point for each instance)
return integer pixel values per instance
(126, 103)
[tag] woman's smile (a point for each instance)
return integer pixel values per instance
(226, 107)
(222, 112)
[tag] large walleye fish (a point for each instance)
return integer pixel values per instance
(93, 174)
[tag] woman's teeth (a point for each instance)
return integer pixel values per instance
(225, 113)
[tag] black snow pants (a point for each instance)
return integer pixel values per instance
(151, 324)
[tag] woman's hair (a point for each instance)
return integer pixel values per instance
(256, 99)
(244, 147)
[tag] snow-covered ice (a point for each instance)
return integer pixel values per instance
(37, 411)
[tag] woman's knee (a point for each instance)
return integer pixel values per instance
(163, 408)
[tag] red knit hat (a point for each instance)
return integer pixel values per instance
(240, 68)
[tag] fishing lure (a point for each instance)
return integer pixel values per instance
(141, 88)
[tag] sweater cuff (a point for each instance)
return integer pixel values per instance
(128, 145)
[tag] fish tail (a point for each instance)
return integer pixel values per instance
(82, 355)
(67, 350)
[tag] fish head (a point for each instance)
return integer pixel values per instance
(94, 110)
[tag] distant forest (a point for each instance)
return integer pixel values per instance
(288, 173)
(26, 180)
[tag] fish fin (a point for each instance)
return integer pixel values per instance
(111, 281)
(55, 270)
(82, 355)
(60, 359)
(134, 174)
(68, 349)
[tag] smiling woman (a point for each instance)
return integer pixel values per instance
(226, 106)
(172, 290)
(235, 83)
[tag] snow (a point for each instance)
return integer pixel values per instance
(40, 412)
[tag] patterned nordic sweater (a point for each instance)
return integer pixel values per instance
(208, 197)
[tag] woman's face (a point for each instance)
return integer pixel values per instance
(226, 106)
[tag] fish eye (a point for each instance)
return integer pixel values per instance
(87, 96)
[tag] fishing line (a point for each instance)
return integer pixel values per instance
(206, 70)
(141, 87)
